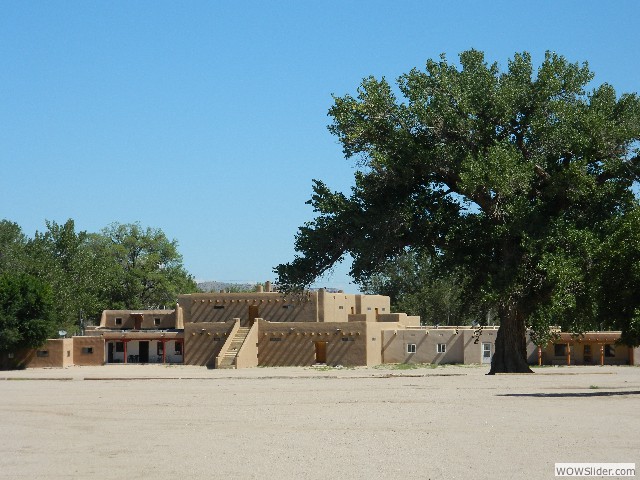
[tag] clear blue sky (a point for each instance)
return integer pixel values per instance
(208, 119)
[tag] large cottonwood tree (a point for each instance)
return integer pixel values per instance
(518, 178)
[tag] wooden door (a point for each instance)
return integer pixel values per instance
(254, 312)
(321, 352)
(144, 352)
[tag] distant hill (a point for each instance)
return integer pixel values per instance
(213, 286)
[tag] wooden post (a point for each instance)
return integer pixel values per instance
(601, 354)
(539, 355)
(568, 354)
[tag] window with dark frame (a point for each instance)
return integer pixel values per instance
(411, 348)
(178, 348)
(156, 321)
(609, 350)
(120, 347)
(87, 350)
(560, 350)
(118, 321)
(42, 353)
(442, 348)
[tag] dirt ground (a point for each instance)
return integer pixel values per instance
(175, 422)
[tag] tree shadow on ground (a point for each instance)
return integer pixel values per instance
(576, 394)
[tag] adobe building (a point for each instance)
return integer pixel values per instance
(265, 328)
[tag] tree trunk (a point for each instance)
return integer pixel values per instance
(510, 354)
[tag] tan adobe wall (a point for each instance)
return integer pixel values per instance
(248, 354)
(375, 339)
(473, 340)
(401, 318)
(374, 304)
(395, 345)
(88, 351)
(54, 353)
(151, 319)
(203, 341)
(294, 344)
(336, 307)
(223, 307)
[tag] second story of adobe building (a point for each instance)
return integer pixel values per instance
(141, 320)
(308, 306)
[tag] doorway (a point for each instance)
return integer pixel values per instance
(486, 353)
(587, 355)
(144, 352)
(110, 352)
(321, 352)
(137, 321)
(254, 312)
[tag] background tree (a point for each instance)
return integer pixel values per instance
(12, 247)
(513, 178)
(75, 271)
(26, 312)
(146, 267)
(124, 266)
(415, 286)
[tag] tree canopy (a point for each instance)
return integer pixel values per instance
(82, 274)
(146, 265)
(520, 179)
(26, 314)
(415, 286)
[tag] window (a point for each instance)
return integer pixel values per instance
(560, 350)
(160, 349)
(348, 339)
(68, 353)
(287, 306)
(120, 347)
(384, 309)
(275, 339)
(87, 350)
(442, 347)
(156, 321)
(609, 350)
(218, 307)
(411, 348)
(118, 321)
(340, 307)
(178, 348)
(42, 353)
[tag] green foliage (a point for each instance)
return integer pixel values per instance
(12, 247)
(68, 262)
(146, 265)
(124, 266)
(26, 312)
(518, 180)
(416, 286)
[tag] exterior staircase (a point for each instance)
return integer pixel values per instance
(229, 358)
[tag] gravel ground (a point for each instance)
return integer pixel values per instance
(175, 422)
